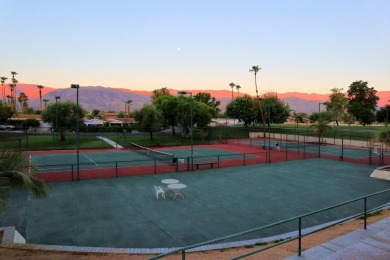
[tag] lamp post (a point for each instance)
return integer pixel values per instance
(56, 128)
(190, 93)
(318, 127)
(76, 86)
(269, 125)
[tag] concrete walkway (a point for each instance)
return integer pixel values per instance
(113, 144)
(372, 243)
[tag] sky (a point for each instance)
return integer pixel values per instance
(301, 45)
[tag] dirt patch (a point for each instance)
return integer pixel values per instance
(278, 252)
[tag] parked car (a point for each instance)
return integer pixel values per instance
(7, 127)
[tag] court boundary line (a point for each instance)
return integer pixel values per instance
(90, 159)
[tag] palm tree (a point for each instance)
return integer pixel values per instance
(128, 102)
(40, 87)
(255, 70)
(238, 89)
(9, 98)
(13, 89)
(232, 85)
(22, 99)
(16, 172)
(3, 79)
(321, 126)
(45, 101)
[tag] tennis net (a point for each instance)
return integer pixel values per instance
(154, 154)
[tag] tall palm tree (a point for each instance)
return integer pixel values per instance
(238, 89)
(255, 70)
(232, 85)
(45, 101)
(3, 79)
(40, 87)
(13, 92)
(16, 172)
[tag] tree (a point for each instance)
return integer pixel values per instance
(321, 126)
(15, 173)
(121, 114)
(65, 113)
(159, 92)
(2, 80)
(243, 109)
(347, 118)
(208, 100)
(9, 100)
(40, 87)
(337, 104)
(6, 112)
(384, 137)
(276, 111)
(362, 102)
(23, 100)
(13, 88)
(45, 101)
(95, 113)
(168, 105)
(383, 115)
(326, 116)
(30, 122)
(149, 118)
(255, 70)
(238, 89)
(232, 85)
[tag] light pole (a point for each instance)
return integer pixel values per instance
(318, 127)
(191, 130)
(56, 128)
(76, 86)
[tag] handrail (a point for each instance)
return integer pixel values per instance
(299, 217)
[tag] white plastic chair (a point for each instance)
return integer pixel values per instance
(159, 191)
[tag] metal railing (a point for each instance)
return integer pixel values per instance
(300, 235)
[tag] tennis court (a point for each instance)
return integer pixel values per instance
(124, 213)
(98, 160)
(349, 152)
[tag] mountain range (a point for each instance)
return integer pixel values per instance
(113, 99)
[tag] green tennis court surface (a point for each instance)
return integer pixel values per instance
(95, 160)
(124, 212)
(313, 148)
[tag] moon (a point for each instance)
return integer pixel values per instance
(178, 49)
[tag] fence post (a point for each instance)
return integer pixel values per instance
(116, 169)
(244, 158)
(155, 166)
(183, 254)
(369, 156)
(218, 160)
(342, 148)
(299, 236)
(365, 212)
(72, 173)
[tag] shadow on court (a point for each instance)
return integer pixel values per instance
(124, 212)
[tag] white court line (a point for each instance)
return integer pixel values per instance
(90, 159)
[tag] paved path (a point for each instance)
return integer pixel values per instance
(372, 243)
(113, 144)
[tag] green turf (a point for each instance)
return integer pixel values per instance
(123, 212)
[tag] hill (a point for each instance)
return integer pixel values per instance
(107, 99)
